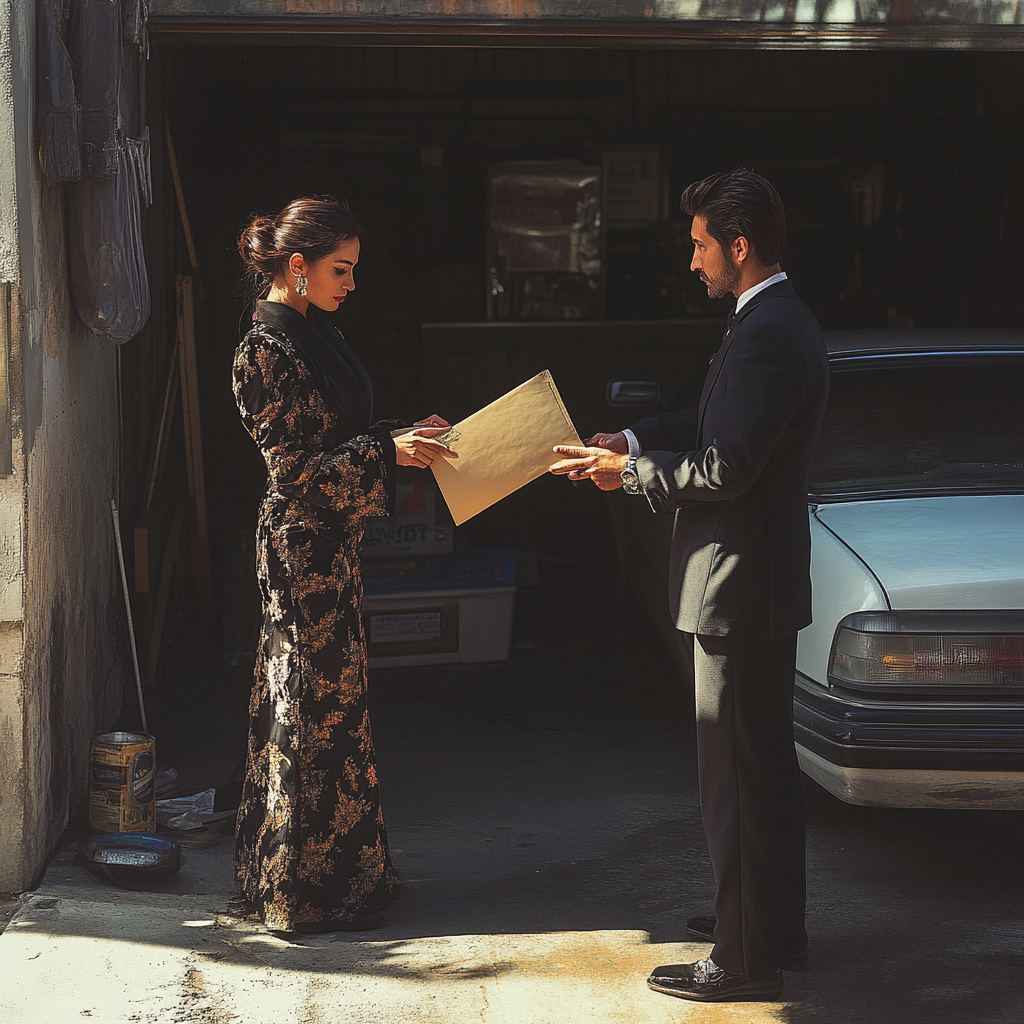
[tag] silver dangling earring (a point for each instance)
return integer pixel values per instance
(301, 282)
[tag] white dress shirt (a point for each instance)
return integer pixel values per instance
(746, 296)
(634, 445)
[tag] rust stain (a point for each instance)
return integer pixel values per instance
(575, 956)
(902, 12)
(313, 1012)
(198, 1004)
(595, 964)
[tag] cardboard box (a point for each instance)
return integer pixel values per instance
(421, 524)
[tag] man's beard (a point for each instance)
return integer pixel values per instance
(722, 284)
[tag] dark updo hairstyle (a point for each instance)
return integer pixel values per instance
(313, 226)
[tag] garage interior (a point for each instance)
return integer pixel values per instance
(899, 171)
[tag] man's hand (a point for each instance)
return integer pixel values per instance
(597, 464)
(613, 442)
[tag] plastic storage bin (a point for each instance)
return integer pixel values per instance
(440, 610)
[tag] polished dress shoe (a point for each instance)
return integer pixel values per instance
(706, 982)
(704, 928)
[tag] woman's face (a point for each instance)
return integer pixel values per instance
(331, 279)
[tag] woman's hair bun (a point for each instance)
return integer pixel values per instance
(257, 248)
(314, 226)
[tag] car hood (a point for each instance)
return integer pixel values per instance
(947, 552)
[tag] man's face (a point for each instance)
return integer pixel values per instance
(717, 268)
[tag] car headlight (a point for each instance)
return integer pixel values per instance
(930, 649)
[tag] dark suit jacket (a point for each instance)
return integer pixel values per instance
(734, 471)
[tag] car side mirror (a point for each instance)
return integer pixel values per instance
(633, 392)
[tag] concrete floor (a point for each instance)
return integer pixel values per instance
(544, 816)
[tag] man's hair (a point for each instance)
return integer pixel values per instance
(740, 203)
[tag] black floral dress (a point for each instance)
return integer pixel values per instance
(310, 843)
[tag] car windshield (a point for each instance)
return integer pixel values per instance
(934, 427)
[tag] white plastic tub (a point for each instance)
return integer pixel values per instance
(439, 627)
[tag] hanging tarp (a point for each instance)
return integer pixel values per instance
(84, 110)
(97, 53)
(58, 113)
(106, 262)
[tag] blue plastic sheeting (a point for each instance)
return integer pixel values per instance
(465, 569)
(130, 849)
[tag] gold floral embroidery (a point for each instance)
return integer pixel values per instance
(311, 843)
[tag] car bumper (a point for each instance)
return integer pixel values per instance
(951, 754)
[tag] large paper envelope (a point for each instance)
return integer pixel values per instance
(503, 447)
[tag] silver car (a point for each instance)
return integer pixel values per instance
(910, 680)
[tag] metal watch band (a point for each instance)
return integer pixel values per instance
(630, 479)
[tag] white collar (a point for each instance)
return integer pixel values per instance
(746, 296)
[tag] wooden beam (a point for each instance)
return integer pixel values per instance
(141, 559)
(163, 593)
(159, 456)
(193, 434)
(179, 192)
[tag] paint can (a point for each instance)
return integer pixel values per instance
(122, 770)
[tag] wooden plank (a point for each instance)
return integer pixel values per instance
(141, 560)
(179, 192)
(193, 434)
(159, 457)
(147, 531)
(156, 634)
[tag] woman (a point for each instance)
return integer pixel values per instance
(311, 852)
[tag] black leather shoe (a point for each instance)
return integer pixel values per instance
(706, 982)
(704, 928)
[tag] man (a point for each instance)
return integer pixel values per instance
(734, 471)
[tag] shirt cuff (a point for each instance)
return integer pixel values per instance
(634, 445)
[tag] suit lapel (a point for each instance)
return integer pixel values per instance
(780, 290)
(712, 378)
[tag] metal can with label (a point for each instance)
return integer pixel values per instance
(122, 771)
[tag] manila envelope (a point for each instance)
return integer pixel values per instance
(503, 447)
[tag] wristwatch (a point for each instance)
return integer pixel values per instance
(630, 480)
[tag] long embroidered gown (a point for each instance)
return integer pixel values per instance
(310, 843)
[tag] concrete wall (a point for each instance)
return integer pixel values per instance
(61, 620)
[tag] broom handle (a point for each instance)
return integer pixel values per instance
(128, 609)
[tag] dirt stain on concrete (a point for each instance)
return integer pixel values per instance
(197, 1004)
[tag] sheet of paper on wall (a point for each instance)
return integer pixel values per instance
(503, 447)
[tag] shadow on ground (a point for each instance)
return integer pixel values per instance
(544, 816)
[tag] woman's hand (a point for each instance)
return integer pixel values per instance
(417, 447)
(433, 420)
